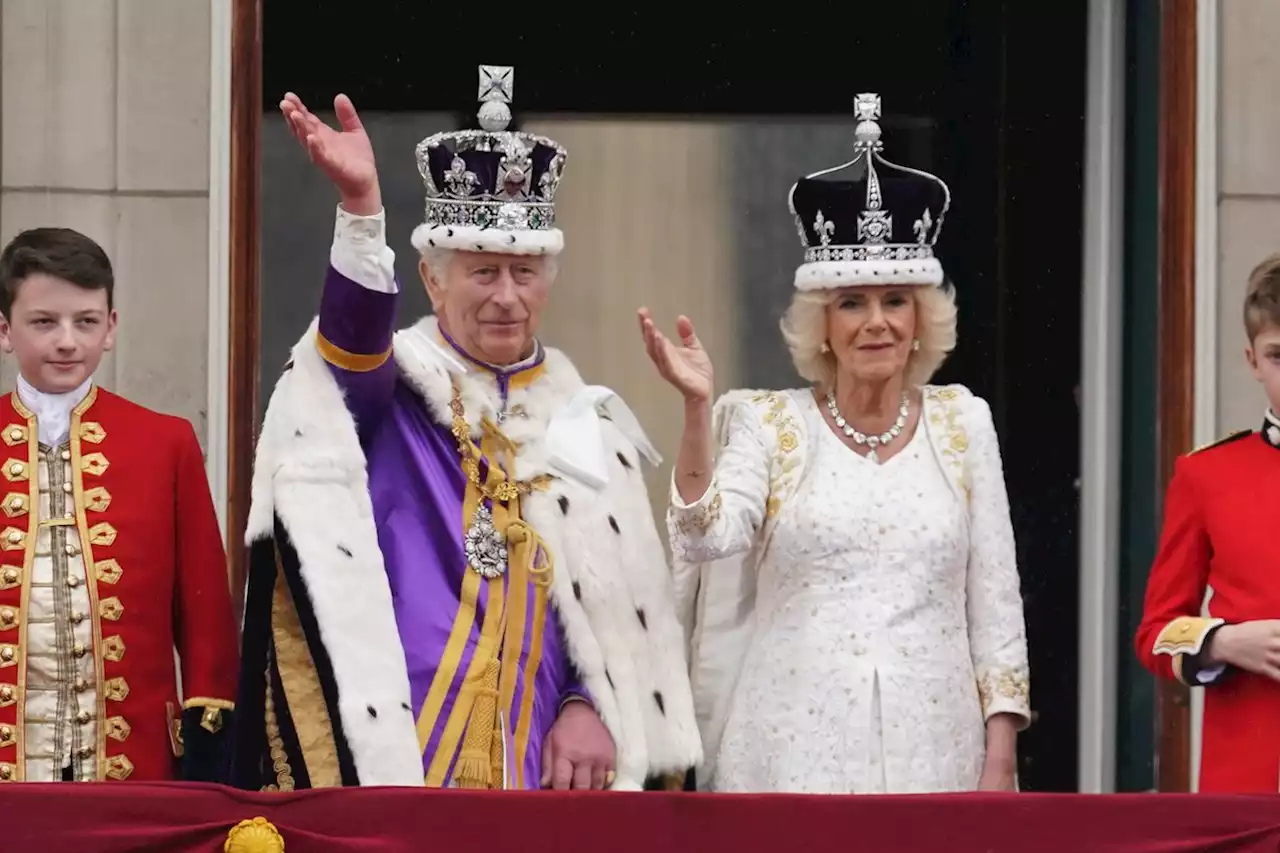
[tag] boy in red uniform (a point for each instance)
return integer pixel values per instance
(110, 553)
(1220, 533)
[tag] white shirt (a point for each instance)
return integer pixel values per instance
(52, 411)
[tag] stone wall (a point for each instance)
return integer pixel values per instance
(1249, 188)
(104, 127)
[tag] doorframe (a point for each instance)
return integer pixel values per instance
(1101, 385)
(1176, 336)
(242, 311)
(1206, 273)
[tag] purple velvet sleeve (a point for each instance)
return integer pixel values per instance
(356, 325)
(574, 688)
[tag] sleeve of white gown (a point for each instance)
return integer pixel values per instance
(725, 520)
(997, 629)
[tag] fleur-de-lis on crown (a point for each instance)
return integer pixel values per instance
(824, 229)
(458, 181)
(921, 227)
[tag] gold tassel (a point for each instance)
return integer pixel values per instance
(475, 765)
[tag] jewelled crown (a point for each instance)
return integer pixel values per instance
(879, 228)
(491, 189)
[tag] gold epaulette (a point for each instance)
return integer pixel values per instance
(1227, 439)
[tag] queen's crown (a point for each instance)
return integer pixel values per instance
(491, 177)
(889, 214)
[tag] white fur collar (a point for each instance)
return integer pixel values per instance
(560, 414)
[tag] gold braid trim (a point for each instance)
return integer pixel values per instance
(279, 758)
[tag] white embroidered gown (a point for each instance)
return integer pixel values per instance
(860, 676)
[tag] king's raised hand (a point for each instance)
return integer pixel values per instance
(344, 155)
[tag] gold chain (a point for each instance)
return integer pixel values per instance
(503, 492)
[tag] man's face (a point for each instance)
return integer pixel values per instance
(490, 304)
(58, 332)
(1263, 354)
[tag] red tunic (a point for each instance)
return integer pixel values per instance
(1222, 513)
(155, 571)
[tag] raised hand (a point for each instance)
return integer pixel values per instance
(686, 367)
(344, 155)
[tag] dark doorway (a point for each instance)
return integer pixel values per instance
(995, 94)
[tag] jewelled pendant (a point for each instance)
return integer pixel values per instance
(873, 456)
(485, 546)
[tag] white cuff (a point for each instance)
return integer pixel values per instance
(1210, 674)
(360, 251)
(677, 503)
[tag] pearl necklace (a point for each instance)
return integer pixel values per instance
(872, 441)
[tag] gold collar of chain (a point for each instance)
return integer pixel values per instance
(505, 491)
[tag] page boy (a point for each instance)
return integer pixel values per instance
(110, 553)
(1222, 513)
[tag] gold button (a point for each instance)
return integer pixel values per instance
(83, 718)
(8, 616)
(15, 469)
(5, 732)
(84, 752)
(15, 537)
(6, 653)
(80, 685)
(78, 650)
(77, 617)
(66, 456)
(15, 434)
(66, 487)
(6, 693)
(71, 550)
(73, 581)
(6, 772)
(16, 502)
(68, 515)
(11, 576)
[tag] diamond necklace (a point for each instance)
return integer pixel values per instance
(871, 441)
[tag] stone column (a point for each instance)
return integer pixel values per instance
(104, 115)
(1249, 191)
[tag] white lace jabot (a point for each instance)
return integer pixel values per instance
(52, 411)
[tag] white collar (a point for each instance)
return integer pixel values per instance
(1271, 429)
(52, 411)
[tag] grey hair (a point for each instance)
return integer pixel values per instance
(438, 259)
(804, 328)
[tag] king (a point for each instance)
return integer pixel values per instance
(455, 576)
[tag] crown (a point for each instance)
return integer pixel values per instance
(879, 228)
(491, 189)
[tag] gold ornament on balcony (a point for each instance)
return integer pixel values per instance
(258, 835)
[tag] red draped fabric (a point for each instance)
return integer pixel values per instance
(193, 818)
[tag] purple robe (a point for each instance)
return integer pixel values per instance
(417, 487)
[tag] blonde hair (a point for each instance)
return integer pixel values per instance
(804, 328)
(1262, 299)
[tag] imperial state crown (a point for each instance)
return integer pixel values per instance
(878, 228)
(491, 189)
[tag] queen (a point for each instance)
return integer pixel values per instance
(844, 553)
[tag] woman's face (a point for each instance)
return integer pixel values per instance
(870, 330)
